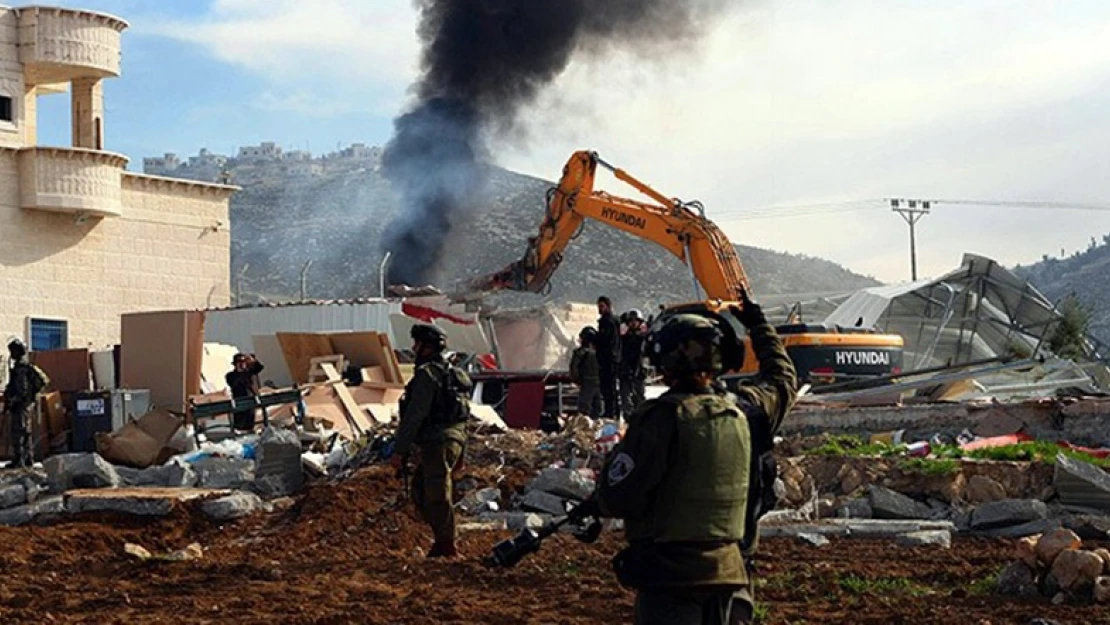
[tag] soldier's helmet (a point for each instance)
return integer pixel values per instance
(686, 344)
(17, 345)
(634, 315)
(588, 333)
(429, 335)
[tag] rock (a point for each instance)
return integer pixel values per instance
(1105, 555)
(66, 471)
(12, 495)
(850, 479)
(232, 473)
(1026, 550)
(192, 552)
(139, 506)
(1049, 586)
(1051, 544)
(1081, 483)
(826, 508)
(982, 489)
(481, 500)
(32, 488)
(1017, 580)
(817, 540)
(1008, 512)
(279, 470)
(564, 483)
(540, 501)
(1102, 590)
(520, 521)
(21, 515)
(234, 506)
(1088, 526)
(137, 551)
(1025, 529)
(888, 504)
(1075, 568)
(172, 475)
(937, 538)
(856, 508)
(1059, 598)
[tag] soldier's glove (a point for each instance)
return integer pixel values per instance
(750, 314)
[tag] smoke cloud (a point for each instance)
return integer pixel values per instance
(483, 61)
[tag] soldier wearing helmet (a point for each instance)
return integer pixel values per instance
(632, 374)
(25, 382)
(434, 411)
(685, 472)
(584, 372)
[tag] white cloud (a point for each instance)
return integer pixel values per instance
(789, 102)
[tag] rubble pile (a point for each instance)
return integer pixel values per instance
(1056, 565)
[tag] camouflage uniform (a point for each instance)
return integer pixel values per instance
(680, 480)
(584, 373)
(25, 381)
(441, 444)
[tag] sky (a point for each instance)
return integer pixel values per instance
(792, 121)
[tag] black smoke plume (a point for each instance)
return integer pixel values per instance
(482, 62)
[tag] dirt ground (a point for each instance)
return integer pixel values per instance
(345, 553)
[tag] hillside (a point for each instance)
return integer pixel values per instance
(280, 222)
(1087, 274)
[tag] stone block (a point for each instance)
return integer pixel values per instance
(12, 495)
(856, 508)
(888, 504)
(541, 501)
(1075, 569)
(279, 470)
(1017, 580)
(564, 483)
(982, 489)
(234, 506)
(231, 473)
(1008, 512)
(927, 538)
(167, 476)
(1081, 483)
(21, 515)
(1053, 543)
(66, 471)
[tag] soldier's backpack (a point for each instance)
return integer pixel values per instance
(454, 400)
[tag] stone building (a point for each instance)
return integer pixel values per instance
(82, 240)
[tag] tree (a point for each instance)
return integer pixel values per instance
(1068, 338)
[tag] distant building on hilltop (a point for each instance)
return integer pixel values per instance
(266, 151)
(83, 240)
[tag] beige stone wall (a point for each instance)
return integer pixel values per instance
(165, 252)
(11, 79)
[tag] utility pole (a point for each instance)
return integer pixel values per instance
(912, 211)
(304, 280)
(239, 284)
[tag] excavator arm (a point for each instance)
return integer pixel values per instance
(680, 228)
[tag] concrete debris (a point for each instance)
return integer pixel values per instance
(66, 471)
(1008, 512)
(1101, 592)
(135, 501)
(1075, 568)
(1052, 544)
(12, 495)
(516, 521)
(234, 506)
(1032, 528)
(42, 507)
(1017, 580)
(192, 552)
(859, 528)
(564, 483)
(1082, 483)
(938, 538)
(279, 469)
(541, 501)
(817, 540)
(1089, 527)
(226, 473)
(137, 551)
(982, 489)
(481, 500)
(171, 475)
(889, 504)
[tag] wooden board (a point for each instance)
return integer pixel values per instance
(68, 368)
(215, 365)
(389, 360)
(382, 413)
(316, 368)
(153, 356)
(373, 374)
(194, 351)
(361, 348)
(321, 402)
(300, 349)
(354, 413)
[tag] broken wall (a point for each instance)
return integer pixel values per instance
(538, 339)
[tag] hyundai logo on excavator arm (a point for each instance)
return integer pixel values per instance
(621, 217)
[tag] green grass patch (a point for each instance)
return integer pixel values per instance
(986, 585)
(847, 445)
(932, 467)
(856, 585)
(760, 613)
(1030, 451)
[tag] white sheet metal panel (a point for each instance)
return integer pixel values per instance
(237, 326)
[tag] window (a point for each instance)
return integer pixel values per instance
(7, 113)
(47, 334)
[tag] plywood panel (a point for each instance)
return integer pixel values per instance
(194, 351)
(68, 368)
(153, 356)
(300, 349)
(268, 351)
(354, 413)
(389, 360)
(362, 349)
(215, 366)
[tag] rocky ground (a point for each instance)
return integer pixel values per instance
(346, 552)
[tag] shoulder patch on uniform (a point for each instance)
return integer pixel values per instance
(620, 468)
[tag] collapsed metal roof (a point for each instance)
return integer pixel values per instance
(978, 311)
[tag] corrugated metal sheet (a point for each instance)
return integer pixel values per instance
(236, 326)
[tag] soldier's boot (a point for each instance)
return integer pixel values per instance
(443, 550)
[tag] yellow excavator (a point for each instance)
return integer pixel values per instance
(821, 354)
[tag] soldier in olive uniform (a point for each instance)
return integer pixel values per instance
(680, 479)
(25, 381)
(584, 372)
(433, 421)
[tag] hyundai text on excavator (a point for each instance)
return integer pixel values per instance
(821, 354)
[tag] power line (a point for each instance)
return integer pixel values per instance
(1028, 204)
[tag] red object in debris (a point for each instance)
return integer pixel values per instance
(524, 404)
(996, 441)
(1097, 453)
(920, 449)
(427, 315)
(488, 362)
